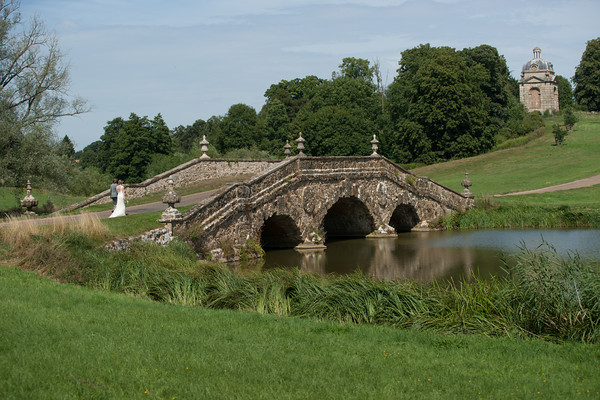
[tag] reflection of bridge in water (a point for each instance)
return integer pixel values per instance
(303, 200)
(384, 258)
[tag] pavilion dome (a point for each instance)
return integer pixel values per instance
(537, 63)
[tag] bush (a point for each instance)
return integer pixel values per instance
(559, 134)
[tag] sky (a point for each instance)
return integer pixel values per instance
(192, 59)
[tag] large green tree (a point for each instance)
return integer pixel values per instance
(587, 77)
(342, 114)
(438, 108)
(293, 94)
(239, 129)
(34, 92)
(565, 92)
(129, 145)
(184, 137)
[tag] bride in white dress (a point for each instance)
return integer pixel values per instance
(120, 208)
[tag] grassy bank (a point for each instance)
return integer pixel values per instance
(62, 341)
(489, 215)
(536, 164)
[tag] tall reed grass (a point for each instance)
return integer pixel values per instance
(486, 215)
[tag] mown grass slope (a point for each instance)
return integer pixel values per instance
(536, 164)
(62, 341)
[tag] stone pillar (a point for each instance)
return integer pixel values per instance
(466, 183)
(171, 215)
(29, 201)
(374, 145)
(300, 141)
(204, 143)
(287, 147)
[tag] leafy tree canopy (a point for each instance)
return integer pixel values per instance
(438, 108)
(34, 94)
(587, 77)
(355, 68)
(239, 128)
(127, 146)
(565, 93)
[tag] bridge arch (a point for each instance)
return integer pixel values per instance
(404, 218)
(279, 232)
(348, 217)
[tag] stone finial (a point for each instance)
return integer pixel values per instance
(204, 143)
(300, 141)
(287, 148)
(374, 145)
(170, 198)
(29, 201)
(466, 183)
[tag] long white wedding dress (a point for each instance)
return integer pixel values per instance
(120, 208)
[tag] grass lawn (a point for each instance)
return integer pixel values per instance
(538, 163)
(61, 341)
(583, 198)
(10, 197)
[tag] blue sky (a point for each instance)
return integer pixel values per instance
(191, 59)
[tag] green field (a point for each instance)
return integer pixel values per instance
(538, 163)
(62, 341)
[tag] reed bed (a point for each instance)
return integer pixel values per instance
(488, 216)
(543, 295)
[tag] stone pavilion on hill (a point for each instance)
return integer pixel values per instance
(538, 88)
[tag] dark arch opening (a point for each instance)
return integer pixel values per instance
(348, 218)
(279, 232)
(404, 218)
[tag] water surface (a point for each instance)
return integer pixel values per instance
(425, 256)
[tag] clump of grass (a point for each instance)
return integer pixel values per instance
(556, 296)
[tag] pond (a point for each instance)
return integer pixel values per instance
(427, 256)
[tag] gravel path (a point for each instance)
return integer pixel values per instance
(140, 209)
(591, 181)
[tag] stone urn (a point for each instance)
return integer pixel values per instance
(170, 198)
(29, 201)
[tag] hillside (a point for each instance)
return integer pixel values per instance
(537, 164)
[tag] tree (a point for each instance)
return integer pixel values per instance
(493, 78)
(66, 148)
(565, 93)
(293, 94)
(355, 68)
(34, 87)
(239, 128)
(128, 146)
(438, 108)
(570, 119)
(587, 77)
(341, 116)
(184, 137)
(34, 77)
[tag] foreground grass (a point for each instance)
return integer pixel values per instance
(61, 341)
(536, 164)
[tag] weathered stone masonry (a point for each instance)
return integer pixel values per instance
(194, 171)
(299, 200)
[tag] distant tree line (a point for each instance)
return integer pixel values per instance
(442, 104)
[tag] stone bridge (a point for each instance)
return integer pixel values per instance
(304, 201)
